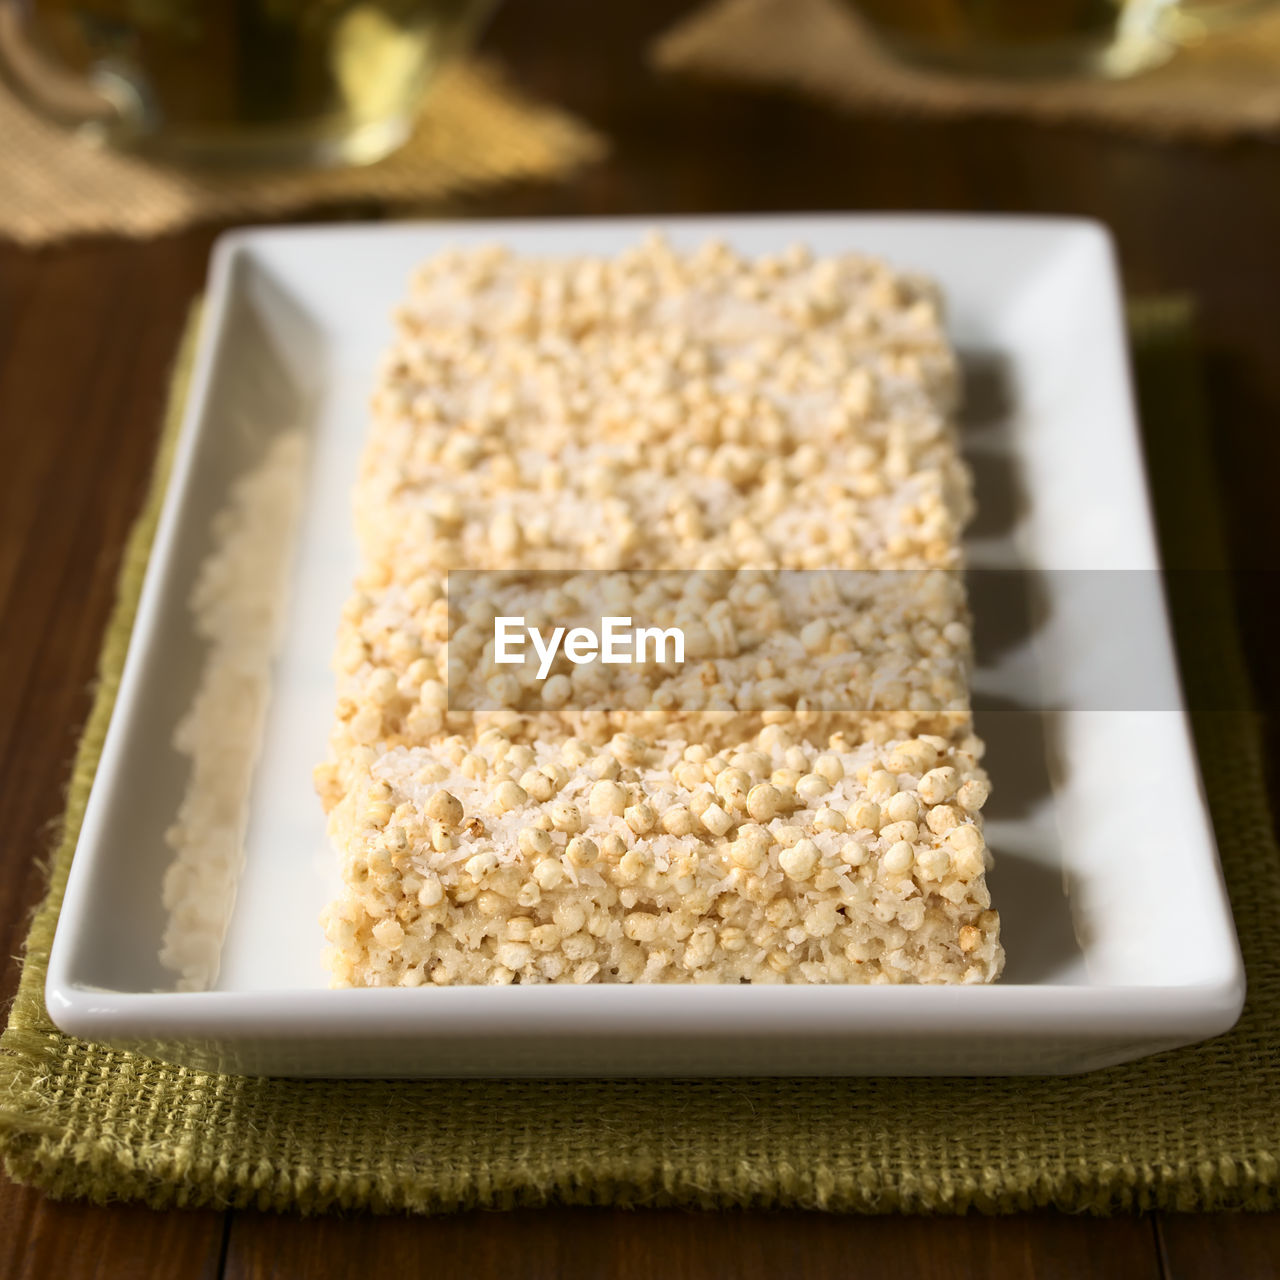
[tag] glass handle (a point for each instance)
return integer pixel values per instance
(96, 104)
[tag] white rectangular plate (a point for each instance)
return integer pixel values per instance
(1106, 865)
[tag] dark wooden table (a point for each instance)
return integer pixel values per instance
(86, 336)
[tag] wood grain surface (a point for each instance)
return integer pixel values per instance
(87, 333)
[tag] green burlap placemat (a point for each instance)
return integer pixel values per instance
(1198, 1128)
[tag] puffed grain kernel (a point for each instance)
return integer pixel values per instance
(389, 934)
(899, 858)
(785, 780)
(608, 799)
(582, 851)
(631, 865)
(938, 785)
(933, 863)
(640, 817)
(820, 920)
(519, 928)
(969, 937)
(828, 766)
(509, 795)
(537, 785)
(966, 839)
(973, 795)
(714, 818)
(800, 860)
(677, 821)
(700, 799)
(732, 786)
(566, 817)
(481, 864)
(700, 948)
(865, 816)
(514, 955)
(764, 801)
(533, 843)
(557, 775)
(903, 807)
(916, 757)
(378, 814)
(894, 832)
(754, 764)
(855, 853)
(911, 914)
(545, 937)
(881, 784)
(628, 748)
(366, 725)
(445, 808)
(605, 767)
(749, 847)
(549, 874)
(811, 787)
(640, 926)
(941, 819)
(828, 819)
(689, 774)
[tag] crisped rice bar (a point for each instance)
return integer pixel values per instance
(660, 411)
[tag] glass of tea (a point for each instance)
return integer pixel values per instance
(1108, 38)
(234, 82)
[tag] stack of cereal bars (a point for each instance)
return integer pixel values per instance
(792, 803)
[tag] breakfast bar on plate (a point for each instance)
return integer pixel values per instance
(742, 441)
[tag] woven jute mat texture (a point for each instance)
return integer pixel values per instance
(474, 131)
(1198, 1128)
(1226, 85)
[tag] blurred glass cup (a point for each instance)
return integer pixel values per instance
(234, 82)
(1104, 38)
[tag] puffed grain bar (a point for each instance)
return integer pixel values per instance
(654, 410)
(499, 862)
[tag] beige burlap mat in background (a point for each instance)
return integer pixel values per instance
(1227, 85)
(475, 130)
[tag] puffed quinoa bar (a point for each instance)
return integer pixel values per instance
(655, 411)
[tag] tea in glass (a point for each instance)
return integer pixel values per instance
(284, 81)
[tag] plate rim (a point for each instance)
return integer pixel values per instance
(1194, 1010)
